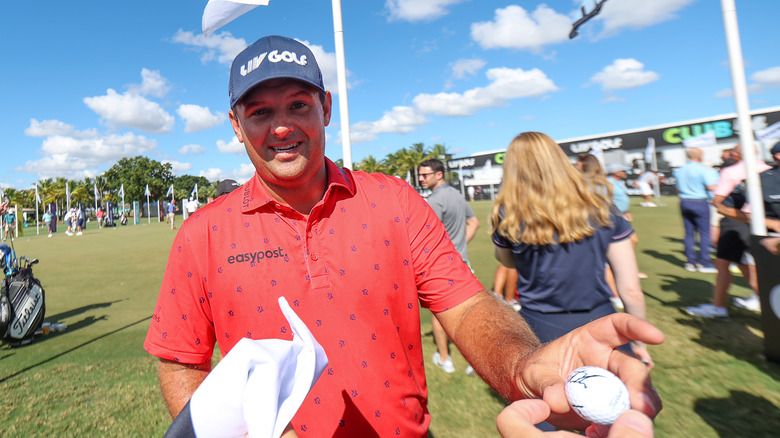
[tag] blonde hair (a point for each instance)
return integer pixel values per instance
(594, 174)
(543, 199)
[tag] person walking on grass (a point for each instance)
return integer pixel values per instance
(695, 182)
(617, 174)
(461, 225)
(733, 245)
(355, 254)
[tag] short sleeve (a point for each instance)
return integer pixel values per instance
(181, 329)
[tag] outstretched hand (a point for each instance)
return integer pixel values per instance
(3, 207)
(517, 421)
(542, 373)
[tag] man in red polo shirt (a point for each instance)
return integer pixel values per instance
(354, 254)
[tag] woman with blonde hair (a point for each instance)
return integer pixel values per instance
(594, 174)
(559, 234)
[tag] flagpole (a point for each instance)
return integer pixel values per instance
(37, 226)
(657, 184)
(754, 193)
(341, 68)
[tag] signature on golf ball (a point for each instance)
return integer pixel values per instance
(596, 394)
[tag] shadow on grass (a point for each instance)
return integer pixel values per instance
(728, 415)
(671, 239)
(689, 290)
(79, 310)
(667, 257)
(70, 350)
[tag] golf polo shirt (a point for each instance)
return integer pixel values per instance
(355, 272)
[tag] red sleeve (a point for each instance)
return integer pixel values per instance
(181, 329)
(443, 280)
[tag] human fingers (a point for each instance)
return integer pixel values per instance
(518, 420)
(643, 355)
(631, 424)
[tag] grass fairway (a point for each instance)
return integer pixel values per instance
(95, 379)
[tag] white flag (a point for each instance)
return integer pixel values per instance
(122, 191)
(650, 152)
(95, 190)
(170, 191)
(221, 12)
(37, 196)
(67, 191)
(146, 192)
(194, 193)
(769, 133)
(701, 141)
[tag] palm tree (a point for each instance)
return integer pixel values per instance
(411, 158)
(46, 190)
(371, 165)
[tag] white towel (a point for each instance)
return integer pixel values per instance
(257, 388)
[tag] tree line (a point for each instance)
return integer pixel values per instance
(133, 174)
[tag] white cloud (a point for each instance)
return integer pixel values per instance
(153, 84)
(418, 10)
(514, 28)
(328, 66)
(234, 147)
(240, 175)
(770, 76)
(192, 149)
(467, 67)
(505, 84)
(132, 111)
(82, 153)
(178, 168)
(222, 46)
(47, 128)
(243, 173)
(638, 14)
(623, 74)
(399, 120)
(199, 118)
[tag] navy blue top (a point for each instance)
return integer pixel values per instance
(565, 277)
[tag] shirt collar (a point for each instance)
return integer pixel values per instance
(255, 196)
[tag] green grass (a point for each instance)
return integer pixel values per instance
(95, 379)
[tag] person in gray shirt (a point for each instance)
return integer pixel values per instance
(461, 224)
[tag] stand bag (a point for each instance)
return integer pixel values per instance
(22, 306)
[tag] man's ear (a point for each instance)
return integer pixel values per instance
(327, 105)
(236, 126)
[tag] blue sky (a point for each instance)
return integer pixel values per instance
(85, 83)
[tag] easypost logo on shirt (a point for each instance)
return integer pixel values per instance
(274, 56)
(256, 256)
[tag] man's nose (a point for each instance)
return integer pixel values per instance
(281, 132)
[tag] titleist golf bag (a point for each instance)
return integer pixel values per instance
(22, 300)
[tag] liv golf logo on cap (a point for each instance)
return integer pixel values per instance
(272, 57)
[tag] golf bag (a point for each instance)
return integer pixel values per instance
(22, 301)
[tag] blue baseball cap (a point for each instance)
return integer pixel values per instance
(272, 57)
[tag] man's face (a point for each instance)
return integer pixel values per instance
(428, 178)
(621, 175)
(282, 125)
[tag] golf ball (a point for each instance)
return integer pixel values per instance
(596, 394)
